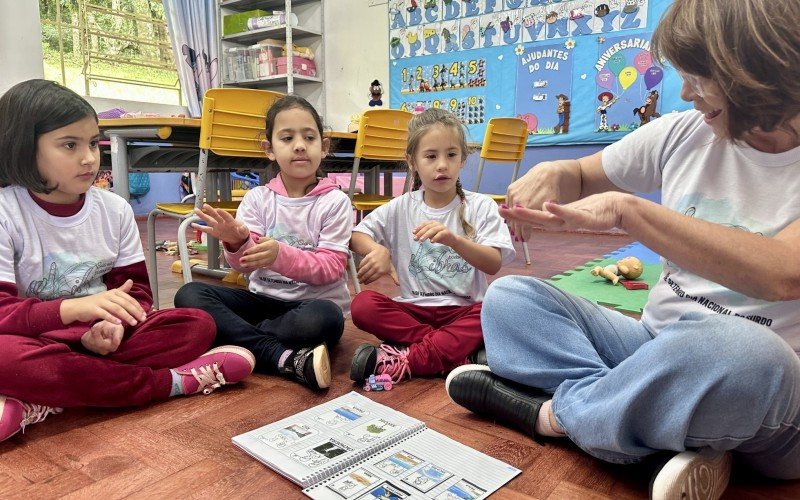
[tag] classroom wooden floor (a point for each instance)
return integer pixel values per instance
(181, 448)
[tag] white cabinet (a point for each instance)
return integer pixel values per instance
(248, 63)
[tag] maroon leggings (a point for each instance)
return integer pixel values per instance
(439, 337)
(56, 373)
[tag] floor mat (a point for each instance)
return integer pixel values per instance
(579, 281)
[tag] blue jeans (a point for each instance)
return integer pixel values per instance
(264, 325)
(620, 394)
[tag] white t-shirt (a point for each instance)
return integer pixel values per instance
(307, 223)
(432, 274)
(57, 257)
(717, 181)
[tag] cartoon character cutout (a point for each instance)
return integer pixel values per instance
(562, 109)
(607, 100)
(648, 110)
(375, 93)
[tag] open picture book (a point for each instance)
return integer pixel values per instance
(353, 447)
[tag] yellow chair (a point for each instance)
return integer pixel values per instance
(382, 135)
(232, 124)
(504, 142)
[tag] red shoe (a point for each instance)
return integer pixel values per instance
(15, 415)
(220, 366)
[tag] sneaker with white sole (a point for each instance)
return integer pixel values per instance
(384, 359)
(220, 366)
(693, 475)
(15, 415)
(479, 390)
(310, 366)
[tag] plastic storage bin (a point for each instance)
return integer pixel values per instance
(250, 63)
(237, 23)
(301, 65)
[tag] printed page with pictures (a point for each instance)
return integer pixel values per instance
(425, 465)
(318, 442)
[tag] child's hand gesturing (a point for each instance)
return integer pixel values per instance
(221, 225)
(103, 337)
(375, 264)
(263, 254)
(115, 306)
(436, 232)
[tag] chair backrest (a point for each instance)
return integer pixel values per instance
(232, 123)
(503, 142)
(382, 134)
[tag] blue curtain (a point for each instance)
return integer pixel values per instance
(193, 32)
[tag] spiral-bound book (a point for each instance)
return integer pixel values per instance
(354, 448)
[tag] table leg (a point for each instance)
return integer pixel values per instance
(119, 165)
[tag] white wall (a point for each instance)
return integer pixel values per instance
(356, 52)
(20, 42)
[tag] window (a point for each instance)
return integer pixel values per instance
(110, 48)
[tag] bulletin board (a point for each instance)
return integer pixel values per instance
(577, 71)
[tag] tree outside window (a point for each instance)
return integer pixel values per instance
(110, 48)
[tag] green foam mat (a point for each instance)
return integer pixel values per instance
(580, 281)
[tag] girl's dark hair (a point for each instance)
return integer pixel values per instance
(291, 102)
(749, 48)
(28, 110)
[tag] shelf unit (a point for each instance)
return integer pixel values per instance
(308, 32)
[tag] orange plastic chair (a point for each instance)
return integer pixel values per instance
(504, 142)
(382, 135)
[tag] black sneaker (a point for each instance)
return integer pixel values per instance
(376, 360)
(478, 357)
(690, 475)
(310, 366)
(363, 364)
(479, 390)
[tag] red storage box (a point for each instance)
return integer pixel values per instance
(302, 66)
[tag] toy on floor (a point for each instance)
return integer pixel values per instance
(378, 383)
(629, 268)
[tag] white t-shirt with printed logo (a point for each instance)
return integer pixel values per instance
(63, 257)
(710, 179)
(432, 274)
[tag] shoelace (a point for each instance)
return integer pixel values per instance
(36, 413)
(393, 363)
(209, 377)
(299, 363)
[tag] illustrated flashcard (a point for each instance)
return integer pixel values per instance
(510, 27)
(354, 482)
(386, 491)
(462, 490)
(470, 33)
(633, 14)
(450, 36)
(340, 416)
(288, 436)
(427, 477)
(606, 16)
(398, 463)
(489, 31)
(321, 454)
(373, 430)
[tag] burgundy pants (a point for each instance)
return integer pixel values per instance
(54, 373)
(439, 337)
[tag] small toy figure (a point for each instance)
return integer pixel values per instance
(629, 268)
(375, 92)
(606, 99)
(378, 383)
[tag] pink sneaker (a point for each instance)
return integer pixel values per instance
(382, 360)
(220, 366)
(15, 415)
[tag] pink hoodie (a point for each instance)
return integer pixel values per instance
(320, 267)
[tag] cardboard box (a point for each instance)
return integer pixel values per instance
(237, 23)
(302, 66)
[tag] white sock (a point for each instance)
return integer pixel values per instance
(543, 427)
(177, 384)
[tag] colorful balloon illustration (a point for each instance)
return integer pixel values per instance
(642, 61)
(616, 63)
(653, 76)
(627, 76)
(605, 79)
